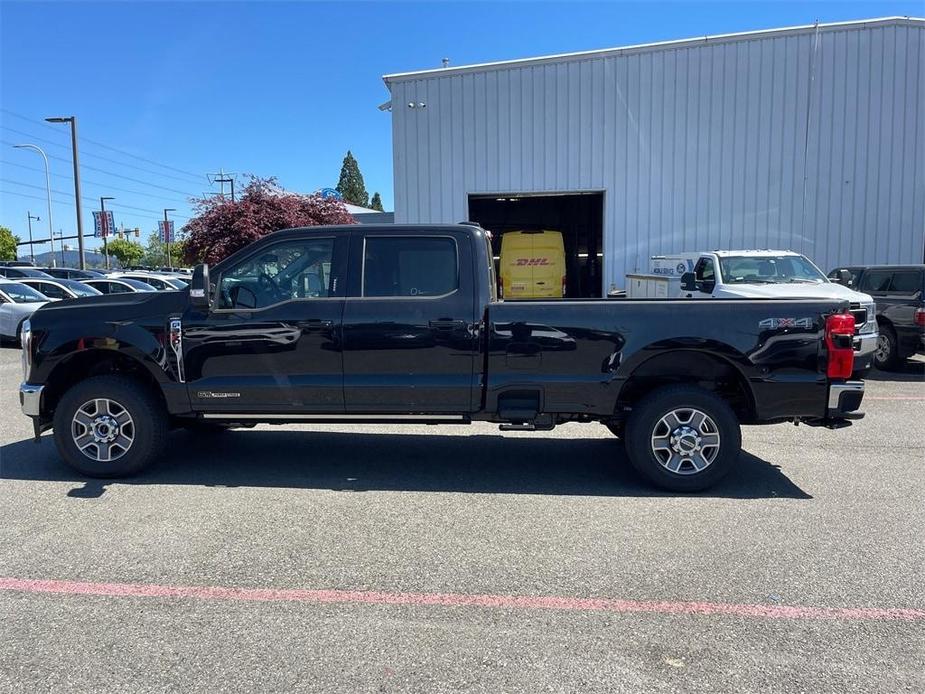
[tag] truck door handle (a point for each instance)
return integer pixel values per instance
(446, 324)
(317, 324)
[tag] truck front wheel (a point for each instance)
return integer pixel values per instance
(683, 438)
(109, 426)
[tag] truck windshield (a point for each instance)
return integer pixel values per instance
(766, 269)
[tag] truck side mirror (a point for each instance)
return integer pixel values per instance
(843, 277)
(199, 290)
(687, 282)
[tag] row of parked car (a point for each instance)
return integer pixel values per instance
(23, 288)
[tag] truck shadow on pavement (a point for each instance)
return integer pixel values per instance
(393, 462)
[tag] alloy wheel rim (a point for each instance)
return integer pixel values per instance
(103, 430)
(883, 348)
(685, 441)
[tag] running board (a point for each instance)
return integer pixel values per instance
(346, 418)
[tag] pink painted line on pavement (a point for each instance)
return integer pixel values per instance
(528, 602)
(893, 397)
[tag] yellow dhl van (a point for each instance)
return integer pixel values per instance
(532, 265)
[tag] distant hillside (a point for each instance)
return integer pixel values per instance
(93, 259)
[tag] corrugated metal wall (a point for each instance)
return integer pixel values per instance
(811, 140)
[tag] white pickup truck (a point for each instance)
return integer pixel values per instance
(773, 274)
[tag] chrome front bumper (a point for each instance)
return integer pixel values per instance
(30, 399)
(865, 345)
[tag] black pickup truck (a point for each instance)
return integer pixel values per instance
(398, 323)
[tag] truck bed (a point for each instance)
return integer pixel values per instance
(577, 356)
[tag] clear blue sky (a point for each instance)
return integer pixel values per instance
(276, 89)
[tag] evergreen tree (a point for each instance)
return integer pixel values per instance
(376, 202)
(350, 185)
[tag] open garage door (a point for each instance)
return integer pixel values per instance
(578, 216)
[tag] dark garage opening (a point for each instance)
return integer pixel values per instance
(578, 216)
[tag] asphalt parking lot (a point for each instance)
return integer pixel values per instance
(381, 559)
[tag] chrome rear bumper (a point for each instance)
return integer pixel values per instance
(845, 398)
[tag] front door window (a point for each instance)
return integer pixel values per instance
(299, 269)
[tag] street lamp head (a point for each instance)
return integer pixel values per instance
(66, 119)
(107, 198)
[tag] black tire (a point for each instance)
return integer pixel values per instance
(646, 420)
(148, 426)
(886, 356)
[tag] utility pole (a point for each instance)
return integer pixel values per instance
(80, 227)
(31, 247)
(167, 233)
(222, 178)
(104, 227)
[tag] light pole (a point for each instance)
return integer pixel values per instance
(80, 227)
(51, 233)
(104, 227)
(167, 232)
(30, 217)
(61, 239)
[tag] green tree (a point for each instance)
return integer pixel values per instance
(7, 244)
(155, 253)
(350, 185)
(376, 202)
(126, 252)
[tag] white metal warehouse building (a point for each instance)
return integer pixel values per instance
(807, 138)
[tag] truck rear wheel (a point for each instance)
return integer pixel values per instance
(683, 438)
(109, 426)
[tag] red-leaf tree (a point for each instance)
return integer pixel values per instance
(221, 227)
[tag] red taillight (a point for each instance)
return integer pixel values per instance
(839, 334)
(920, 316)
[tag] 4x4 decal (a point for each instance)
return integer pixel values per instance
(772, 323)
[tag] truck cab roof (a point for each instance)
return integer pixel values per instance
(763, 253)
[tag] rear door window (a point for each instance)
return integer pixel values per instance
(906, 282)
(52, 291)
(409, 266)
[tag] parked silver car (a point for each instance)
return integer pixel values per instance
(119, 285)
(163, 283)
(17, 303)
(60, 288)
